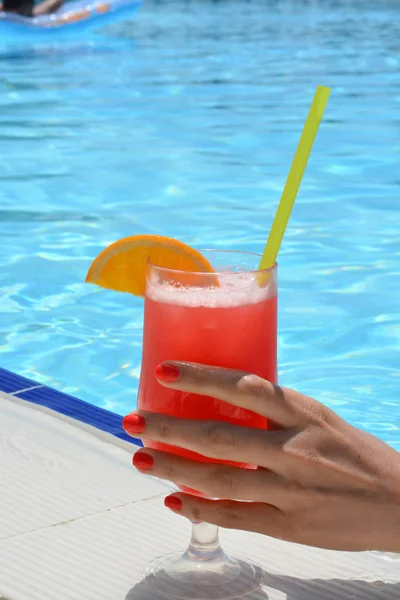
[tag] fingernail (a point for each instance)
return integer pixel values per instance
(167, 373)
(133, 423)
(173, 503)
(143, 461)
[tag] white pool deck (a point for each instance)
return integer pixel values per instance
(78, 523)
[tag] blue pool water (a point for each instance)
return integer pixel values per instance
(183, 121)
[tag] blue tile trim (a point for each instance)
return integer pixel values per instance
(11, 382)
(64, 404)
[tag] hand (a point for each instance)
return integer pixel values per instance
(319, 481)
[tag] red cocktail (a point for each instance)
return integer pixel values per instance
(225, 319)
(233, 325)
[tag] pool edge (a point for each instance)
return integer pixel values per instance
(65, 404)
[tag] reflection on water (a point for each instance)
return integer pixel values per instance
(183, 121)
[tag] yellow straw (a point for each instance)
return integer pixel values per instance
(295, 176)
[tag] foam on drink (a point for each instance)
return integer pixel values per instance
(235, 289)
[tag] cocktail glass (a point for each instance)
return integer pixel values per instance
(224, 319)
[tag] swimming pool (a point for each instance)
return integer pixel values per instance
(184, 122)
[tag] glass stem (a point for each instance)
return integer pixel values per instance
(204, 544)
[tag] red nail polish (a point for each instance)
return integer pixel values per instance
(167, 373)
(133, 423)
(173, 503)
(143, 461)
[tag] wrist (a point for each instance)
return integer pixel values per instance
(393, 538)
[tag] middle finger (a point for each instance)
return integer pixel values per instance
(213, 439)
(213, 480)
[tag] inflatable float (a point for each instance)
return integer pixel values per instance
(71, 20)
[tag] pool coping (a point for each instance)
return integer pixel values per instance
(65, 404)
(80, 518)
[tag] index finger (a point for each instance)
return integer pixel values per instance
(239, 388)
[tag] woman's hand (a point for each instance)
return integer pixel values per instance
(320, 481)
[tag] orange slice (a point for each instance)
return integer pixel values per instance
(122, 266)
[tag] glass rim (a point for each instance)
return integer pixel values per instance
(218, 251)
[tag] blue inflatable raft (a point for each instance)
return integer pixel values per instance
(71, 20)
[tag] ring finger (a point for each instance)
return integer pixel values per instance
(212, 479)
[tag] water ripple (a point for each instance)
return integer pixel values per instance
(184, 122)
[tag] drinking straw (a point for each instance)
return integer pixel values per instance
(294, 177)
